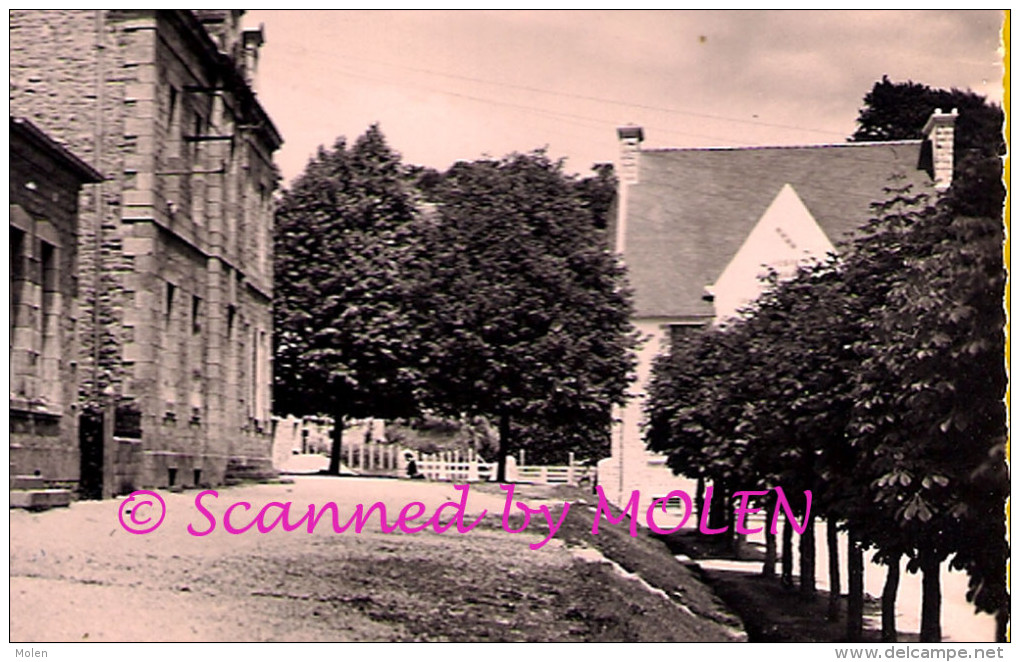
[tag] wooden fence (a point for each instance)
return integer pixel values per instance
(372, 459)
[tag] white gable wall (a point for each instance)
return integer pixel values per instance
(786, 236)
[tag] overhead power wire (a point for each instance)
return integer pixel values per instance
(531, 109)
(630, 104)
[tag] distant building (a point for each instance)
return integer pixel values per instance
(45, 180)
(175, 246)
(697, 227)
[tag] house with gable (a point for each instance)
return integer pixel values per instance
(697, 228)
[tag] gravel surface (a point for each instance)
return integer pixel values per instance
(76, 575)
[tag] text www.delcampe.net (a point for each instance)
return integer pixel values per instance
(918, 653)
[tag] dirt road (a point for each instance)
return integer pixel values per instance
(77, 575)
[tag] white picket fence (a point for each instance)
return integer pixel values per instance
(458, 466)
(373, 459)
(469, 467)
(454, 466)
(309, 438)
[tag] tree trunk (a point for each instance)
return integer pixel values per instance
(1001, 624)
(787, 553)
(739, 544)
(717, 517)
(892, 585)
(855, 588)
(730, 534)
(807, 560)
(931, 598)
(504, 447)
(768, 568)
(334, 452)
(699, 503)
(832, 541)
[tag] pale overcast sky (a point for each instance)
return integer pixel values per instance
(456, 85)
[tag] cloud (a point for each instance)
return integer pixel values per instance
(451, 85)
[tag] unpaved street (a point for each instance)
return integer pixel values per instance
(76, 575)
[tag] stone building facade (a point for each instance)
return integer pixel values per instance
(176, 244)
(45, 180)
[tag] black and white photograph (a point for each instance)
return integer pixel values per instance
(504, 326)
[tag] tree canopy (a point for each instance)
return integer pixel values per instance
(497, 298)
(522, 307)
(344, 342)
(899, 111)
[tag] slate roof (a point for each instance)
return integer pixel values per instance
(691, 209)
(33, 135)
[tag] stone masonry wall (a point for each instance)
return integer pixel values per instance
(58, 59)
(44, 315)
(184, 275)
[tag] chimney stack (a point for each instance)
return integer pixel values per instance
(939, 132)
(630, 147)
(251, 41)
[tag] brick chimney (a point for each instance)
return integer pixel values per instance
(938, 132)
(630, 147)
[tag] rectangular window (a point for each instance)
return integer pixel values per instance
(260, 229)
(196, 315)
(49, 326)
(168, 312)
(262, 395)
(171, 115)
(196, 361)
(17, 277)
(170, 357)
(244, 368)
(254, 375)
(18, 317)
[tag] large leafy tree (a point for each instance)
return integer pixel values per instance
(930, 413)
(343, 250)
(899, 111)
(522, 308)
(598, 193)
(765, 400)
(877, 382)
(935, 280)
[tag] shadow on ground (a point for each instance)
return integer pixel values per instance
(771, 611)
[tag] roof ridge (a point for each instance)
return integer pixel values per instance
(873, 143)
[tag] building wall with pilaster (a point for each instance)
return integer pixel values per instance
(182, 285)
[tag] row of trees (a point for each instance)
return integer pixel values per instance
(487, 290)
(875, 380)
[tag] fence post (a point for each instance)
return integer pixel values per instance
(472, 471)
(511, 469)
(350, 456)
(570, 469)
